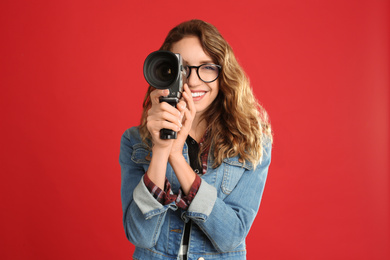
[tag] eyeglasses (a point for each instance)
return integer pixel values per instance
(206, 72)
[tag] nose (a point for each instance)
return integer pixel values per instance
(193, 80)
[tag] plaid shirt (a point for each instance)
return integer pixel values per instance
(166, 196)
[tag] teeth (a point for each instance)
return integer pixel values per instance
(198, 94)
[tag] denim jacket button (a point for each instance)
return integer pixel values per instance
(201, 258)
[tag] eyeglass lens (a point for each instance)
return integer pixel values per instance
(206, 72)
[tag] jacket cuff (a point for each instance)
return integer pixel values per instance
(203, 203)
(145, 200)
(193, 191)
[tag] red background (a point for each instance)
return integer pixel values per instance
(71, 83)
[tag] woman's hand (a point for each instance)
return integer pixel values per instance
(162, 115)
(182, 169)
(187, 112)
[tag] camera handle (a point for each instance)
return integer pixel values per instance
(168, 133)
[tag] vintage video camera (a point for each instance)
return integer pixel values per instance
(165, 70)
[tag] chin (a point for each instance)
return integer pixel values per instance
(200, 109)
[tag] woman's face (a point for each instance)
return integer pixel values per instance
(203, 94)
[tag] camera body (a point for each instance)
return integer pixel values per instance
(165, 70)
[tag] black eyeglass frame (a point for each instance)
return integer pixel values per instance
(197, 71)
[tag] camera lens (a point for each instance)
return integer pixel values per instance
(165, 72)
(161, 69)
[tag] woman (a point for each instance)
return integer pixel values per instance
(196, 197)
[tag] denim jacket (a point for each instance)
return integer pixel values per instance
(222, 211)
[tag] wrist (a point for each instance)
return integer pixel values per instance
(161, 152)
(157, 167)
(175, 157)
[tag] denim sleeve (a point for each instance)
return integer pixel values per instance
(226, 222)
(143, 215)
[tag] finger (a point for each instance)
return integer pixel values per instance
(169, 108)
(188, 119)
(167, 125)
(187, 89)
(155, 126)
(156, 94)
(190, 102)
(181, 105)
(174, 119)
(163, 107)
(171, 114)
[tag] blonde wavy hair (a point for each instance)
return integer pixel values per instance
(238, 124)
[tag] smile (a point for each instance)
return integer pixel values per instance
(197, 94)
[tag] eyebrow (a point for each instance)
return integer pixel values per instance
(202, 62)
